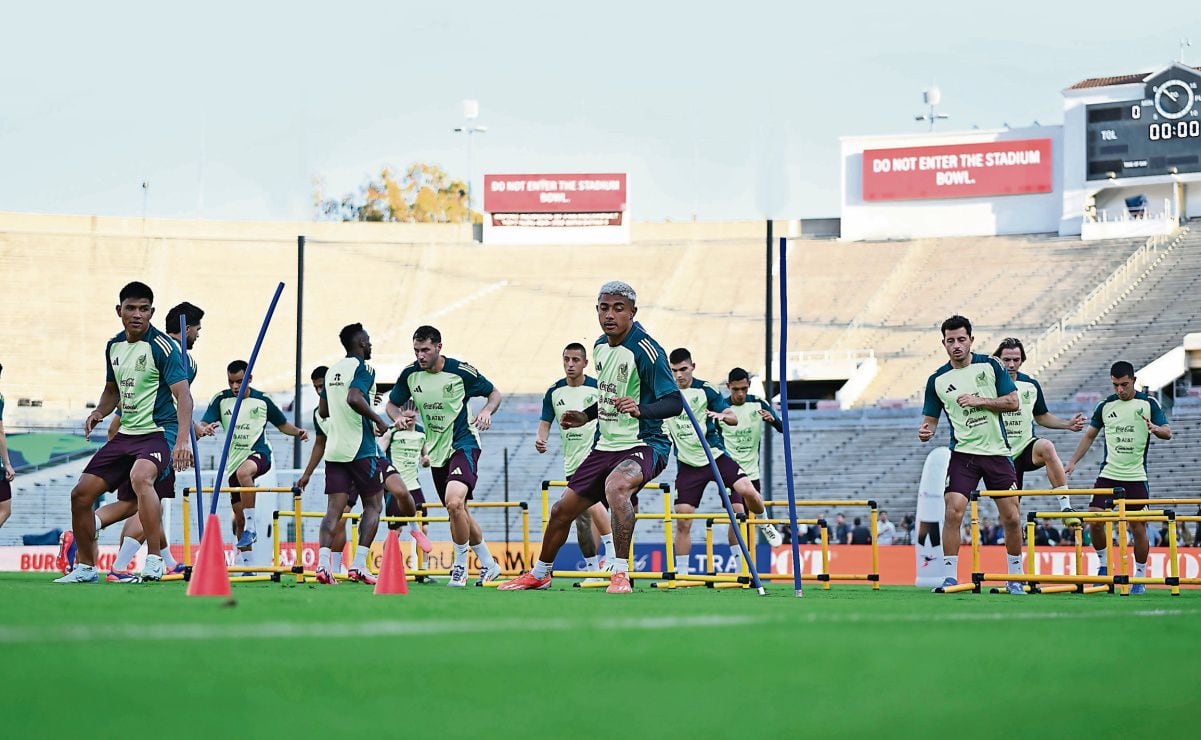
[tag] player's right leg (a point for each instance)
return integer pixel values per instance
(1096, 530)
(690, 487)
(143, 476)
(243, 477)
(6, 508)
(368, 527)
(335, 504)
(337, 544)
(565, 511)
(620, 486)
(1043, 454)
(602, 530)
(83, 524)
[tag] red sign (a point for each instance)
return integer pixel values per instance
(575, 195)
(958, 170)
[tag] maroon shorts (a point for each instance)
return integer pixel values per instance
(1133, 489)
(1024, 463)
(164, 487)
(6, 489)
(589, 479)
(113, 462)
(362, 477)
(691, 482)
(461, 467)
(966, 470)
(261, 465)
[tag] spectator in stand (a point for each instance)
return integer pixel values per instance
(860, 535)
(1157, 536)
(886, 531)
(1045, 535)
(904, 535)
(987, 531)
(814, 535)
(1067, 536)
(842, 530)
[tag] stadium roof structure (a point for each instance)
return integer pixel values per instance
(1121, 79)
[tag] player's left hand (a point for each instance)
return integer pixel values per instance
(1077, 422)
(181, 456)
(303, 436)
(381, 428)
(9, 473)
(765, 415)
(627, 405)
(970, 400)
(425, 461)
(483, 420)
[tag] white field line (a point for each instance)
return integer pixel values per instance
(393, 628)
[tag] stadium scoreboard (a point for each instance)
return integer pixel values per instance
(1157, 134)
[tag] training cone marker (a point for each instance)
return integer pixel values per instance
(392, 569)
(209, 576)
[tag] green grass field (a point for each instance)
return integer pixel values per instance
(310, 661)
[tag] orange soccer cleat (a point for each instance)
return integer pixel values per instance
(619, 583)
(525, 582)
(361, 576)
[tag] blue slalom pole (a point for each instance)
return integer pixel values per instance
(183, 348)
(233, 420)
(783, 380)
(725, 499)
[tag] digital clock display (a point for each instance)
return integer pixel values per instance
(1159, 134)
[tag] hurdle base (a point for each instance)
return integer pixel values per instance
(1064, 588)
(956, 589)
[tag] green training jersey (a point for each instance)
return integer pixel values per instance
(701, 398)
(256, 412)
(144, 371)
(743, 439)
(404, 451)
(976, 431)
(1127, 438)
(350, 435)
(560, 398)
(636, 368)
(1019, 425)
(441, 400)
(320, 424)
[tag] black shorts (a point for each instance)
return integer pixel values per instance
(966, 470)
(1133, 489)
(461, 467)
(589, 479)
(261, 466)
(113, 462)
(362, 477)
(1024, 462)
(6, 489)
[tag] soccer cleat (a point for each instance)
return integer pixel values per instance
(121, 576)
(360, 576)
(458, 576)
(771, 534)
(325, 577)
(153, 569)
(1072, 521)
(1103, 570)
(619, 583)
(525, 582)
(1014, 588)
(422, 541)
(66, 552)
(1138, 588)
(247, 540)
(80, 574)
(491, 573)
(948, 581)
(178, 570)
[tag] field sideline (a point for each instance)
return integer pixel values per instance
(309, 661)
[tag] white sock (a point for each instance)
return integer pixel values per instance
(592, 563)
(461, 554)
(82, 566)
(481, 551)
(682, 564)
(99, 526)
(950, 565)
(323, 558)
(621, 565)
(736, 559)
(1014, 562)
(335, 559)
(248, 517)
(1140, 570)
(541, 569)
(1101, 556)
(1065, 501)
(129, 548)
(360, 557)
(243, 557)
(607, 541)
(169, 559)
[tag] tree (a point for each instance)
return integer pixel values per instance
(423, 194)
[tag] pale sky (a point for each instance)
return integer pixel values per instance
(724, 110)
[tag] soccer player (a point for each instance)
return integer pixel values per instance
(6, 469)
(439, 387)
(693, 473)
(249, 452)
(636, 393)
(973, 391)
(742, 440)
(353, 467)
(1129, 418)
(576, 391)
(144, 370)
(404, 448)
(1030, 452)
(320, 424)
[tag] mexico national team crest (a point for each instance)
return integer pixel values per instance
(140, 365)
(623, 372)
(982, 380)
(1026, 396)
(448, 389)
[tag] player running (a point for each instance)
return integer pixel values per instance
(973, 391)
(742, 440)
(439, 388)
(1129, 418)
(353, 467)
(143, 372)
(636, 393)
(249, 451)
(576, 391)
(404, 448)
(693, 473)
(1030, 452)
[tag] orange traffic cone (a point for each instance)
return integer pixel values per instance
(209, 576)
(392, 569)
